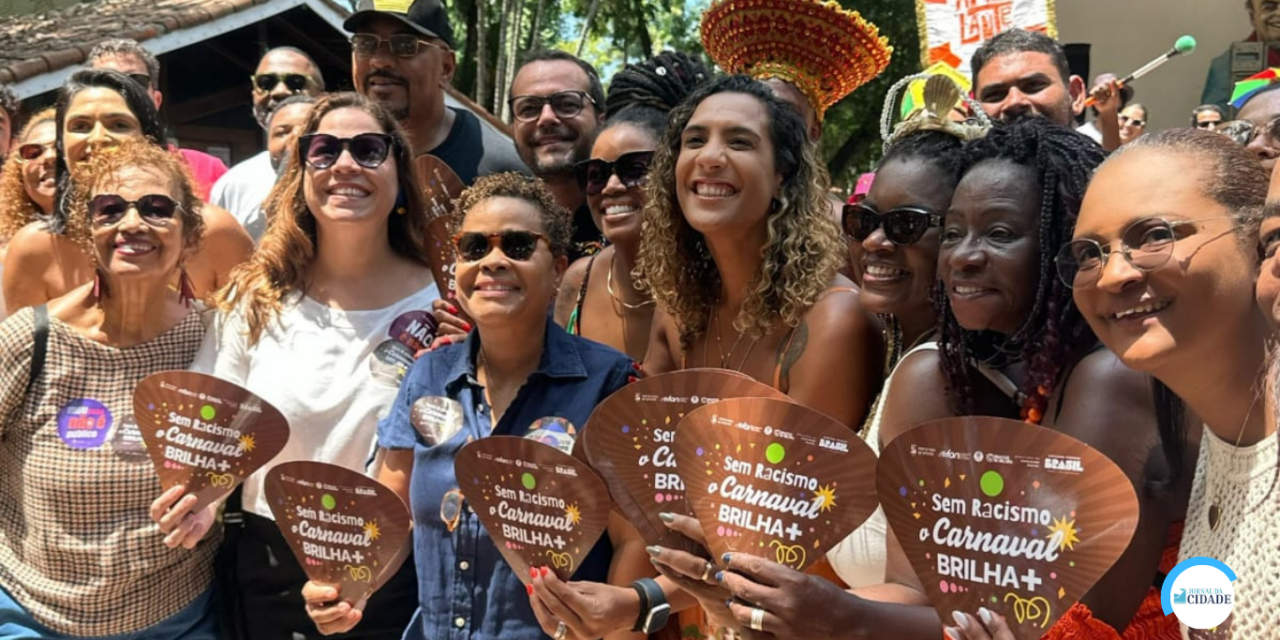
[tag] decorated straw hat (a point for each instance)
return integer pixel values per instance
(821, 48)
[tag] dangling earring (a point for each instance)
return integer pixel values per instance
(186, 290)
(401, 204)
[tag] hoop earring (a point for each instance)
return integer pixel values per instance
(186, 290)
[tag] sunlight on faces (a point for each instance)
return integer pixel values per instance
(97, 118)
(37, 175)
(1266, 18)
(133, 248)
(392, 81)
(551, 144)
(788, 93)
(896, 278)
(347, 193)
(1268, 288)
(1193, 304)
(1028, 83)
(497, 290)
(1128, 130)
(280, 62)
(725, 173)
(617, 209)
(989, 255)
(1261, 110)
(284, 123)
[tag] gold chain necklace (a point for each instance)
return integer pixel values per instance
(608, 285)
(726, 358)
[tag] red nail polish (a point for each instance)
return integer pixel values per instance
(529, 588)
(453, 310)
(545, 571)
(466, 326)
(533, 572)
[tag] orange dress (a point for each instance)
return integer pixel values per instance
(1148, 623)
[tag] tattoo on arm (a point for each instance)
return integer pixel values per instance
(794, 349)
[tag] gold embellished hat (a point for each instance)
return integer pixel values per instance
(823, 49)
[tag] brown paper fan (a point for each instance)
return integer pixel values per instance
(774, 479)
(440, 188)
(629, 436)
(436, 418)
(1005, 515)
(205, 433)
(344, 527)
(541, 506)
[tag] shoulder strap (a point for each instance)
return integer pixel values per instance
(41, 344)
(575, 318)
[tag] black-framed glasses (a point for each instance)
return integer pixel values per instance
(1146, 245)
(369, 150)
(109, 209)
(631, 168)
(1137, 122)
(903, 225)
(401, 45)
(32, 151)
(566, 104)
(516, 244)
(142, 79)
(1245, 131)
(294, 82)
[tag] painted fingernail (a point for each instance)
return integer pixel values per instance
(653, 549)
(719, 576)
(466, 326)
(726, 558)
(529, 588)
(985, 615)
(961, 619)
(453, 310)
(667, 517)
(545, 571)
(952, 633)
(533, 572)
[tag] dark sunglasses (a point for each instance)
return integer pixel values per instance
(631, 168)
(517, 245)
(32, 151)
(566, 104)
(401, 45)
(1209, 124)
(1245, 131)
(369, 150)
(109, 209)
(294, 82)
(904, 225)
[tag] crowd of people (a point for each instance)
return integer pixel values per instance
(682, 219)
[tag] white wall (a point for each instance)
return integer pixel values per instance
(1127, 34)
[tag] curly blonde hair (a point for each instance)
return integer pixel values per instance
(556, 220)
(799, 259)
(282, 264)
(133, 154)
(17, 209)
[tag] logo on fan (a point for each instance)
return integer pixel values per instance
(1063, 463)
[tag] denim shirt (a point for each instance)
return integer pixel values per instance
(466, 590)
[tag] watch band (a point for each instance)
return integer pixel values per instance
(654, 609)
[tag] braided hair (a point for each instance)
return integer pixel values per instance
(644, 94)
(1054, 333)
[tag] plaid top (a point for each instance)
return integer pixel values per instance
(78, 549)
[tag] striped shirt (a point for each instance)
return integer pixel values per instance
(78, 549)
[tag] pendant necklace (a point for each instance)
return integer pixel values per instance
(1215, 510)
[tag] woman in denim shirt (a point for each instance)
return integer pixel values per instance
(516, 367)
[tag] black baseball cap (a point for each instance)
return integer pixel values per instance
(427, 17)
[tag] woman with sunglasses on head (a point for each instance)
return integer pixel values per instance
(79, 554)
(98, 110)
(26, 184)
(598, 299)
(516, 367)
(321, 324)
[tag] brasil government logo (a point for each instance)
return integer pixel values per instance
(1199, 592)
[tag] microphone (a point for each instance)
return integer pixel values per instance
(1184, 45)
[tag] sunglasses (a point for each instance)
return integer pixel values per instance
(904, 225)
(401, 45)
(1133, 121)
(1245, 131)
(369, 150)
(32, 151)
(566, 104)
(109, 209)
(631, 168)
(1210, 124)
(517, 245)
(294, 82)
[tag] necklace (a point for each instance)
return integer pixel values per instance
(1215, 508)
(608, 285)
(725, 358)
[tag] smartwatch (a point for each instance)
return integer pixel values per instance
(654, 609)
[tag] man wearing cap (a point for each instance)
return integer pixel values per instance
(403, 58)
(282, 72)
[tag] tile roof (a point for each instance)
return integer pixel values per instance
(35, 44)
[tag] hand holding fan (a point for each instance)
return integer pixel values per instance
(1013, 517)
(344, 527)
(541, 506)
(774, 479)
(629, 440)
(440, 188)
(205, 433)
